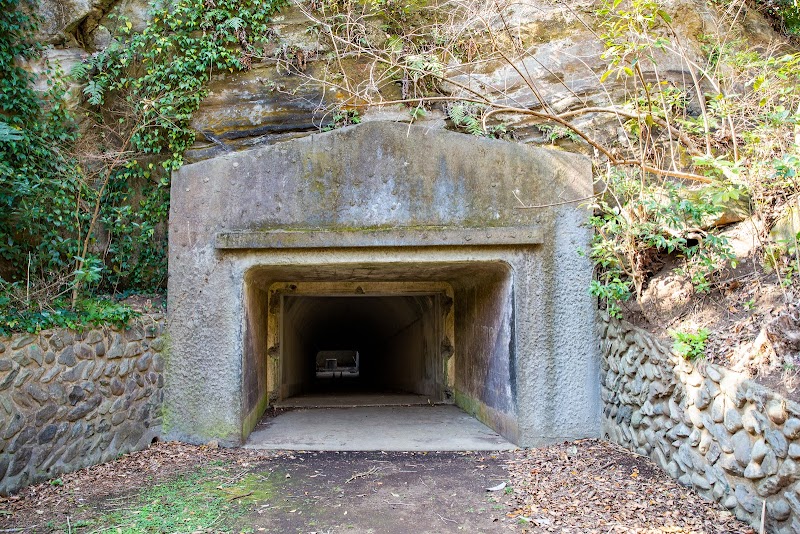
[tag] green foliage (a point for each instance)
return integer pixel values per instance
(769, 121)
(467, 116)
(145, 87)
(628, 27)
(555, 133)
(341, 117)
(783, 257)
(40, 184)
(744, 141)
(206, 500)
(161, 73)
(638, 220)
(691, 346)
(785, 13)
(61, 314)
(84, 213)
(612, 290)
(180, 505)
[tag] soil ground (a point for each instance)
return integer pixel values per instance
(581, 487)
(751, 311)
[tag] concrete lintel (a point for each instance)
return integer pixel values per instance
(389, 237)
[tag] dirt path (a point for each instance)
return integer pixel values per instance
(393, 493)
(586, 486)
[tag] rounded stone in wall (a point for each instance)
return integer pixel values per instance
(776, 411)
(778, 510)
(778, 442)
(746, 498)
(792, 428)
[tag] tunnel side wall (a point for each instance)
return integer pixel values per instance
(295, 372)
(384, 176)
(254, 365)
(485, 350)
(420, 375)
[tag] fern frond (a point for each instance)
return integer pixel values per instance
(94, 92)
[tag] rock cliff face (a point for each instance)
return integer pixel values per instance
(281, 97)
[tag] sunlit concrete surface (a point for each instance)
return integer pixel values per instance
(377, 428)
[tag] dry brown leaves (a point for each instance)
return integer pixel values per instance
(591, 486)
(583, 487)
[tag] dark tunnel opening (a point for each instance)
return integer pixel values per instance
(362, 344)
(422, 332)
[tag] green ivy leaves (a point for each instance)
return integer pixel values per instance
(157, 80)
(39, 185)
(89, 220)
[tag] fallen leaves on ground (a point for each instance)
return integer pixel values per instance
(587, 486)
(591, 486)
(111, 481)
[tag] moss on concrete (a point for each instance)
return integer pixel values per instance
(251, 419)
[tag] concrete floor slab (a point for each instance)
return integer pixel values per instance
(353, 400)
(377, 428)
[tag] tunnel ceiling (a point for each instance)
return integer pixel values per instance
(452, 272)
(331, 321)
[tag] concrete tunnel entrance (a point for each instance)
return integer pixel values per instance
(399, 247)
(382, 335)
(442, 331)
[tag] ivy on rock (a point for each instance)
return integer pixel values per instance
(145, 87)
(84, 210)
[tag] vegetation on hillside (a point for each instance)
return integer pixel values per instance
(85, 194)
(784, 14)
(689, 148)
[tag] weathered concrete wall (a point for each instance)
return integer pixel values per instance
(69, 400)
(734, 441)
(369, 185)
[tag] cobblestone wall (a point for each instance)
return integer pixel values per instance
(734, 441)
(73, 399)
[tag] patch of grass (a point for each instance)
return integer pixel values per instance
(190, 502)
(183, 504)
(252, 489)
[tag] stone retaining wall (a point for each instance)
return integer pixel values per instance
(73, 399)
(734, 441)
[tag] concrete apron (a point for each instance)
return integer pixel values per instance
(353, 400)
(377, 428)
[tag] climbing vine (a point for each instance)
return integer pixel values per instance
(144, 89)
(85, 209)
(39, 181)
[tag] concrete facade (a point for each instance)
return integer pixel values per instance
(419, 227)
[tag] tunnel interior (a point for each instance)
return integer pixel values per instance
(444, 331)
(361, 344)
